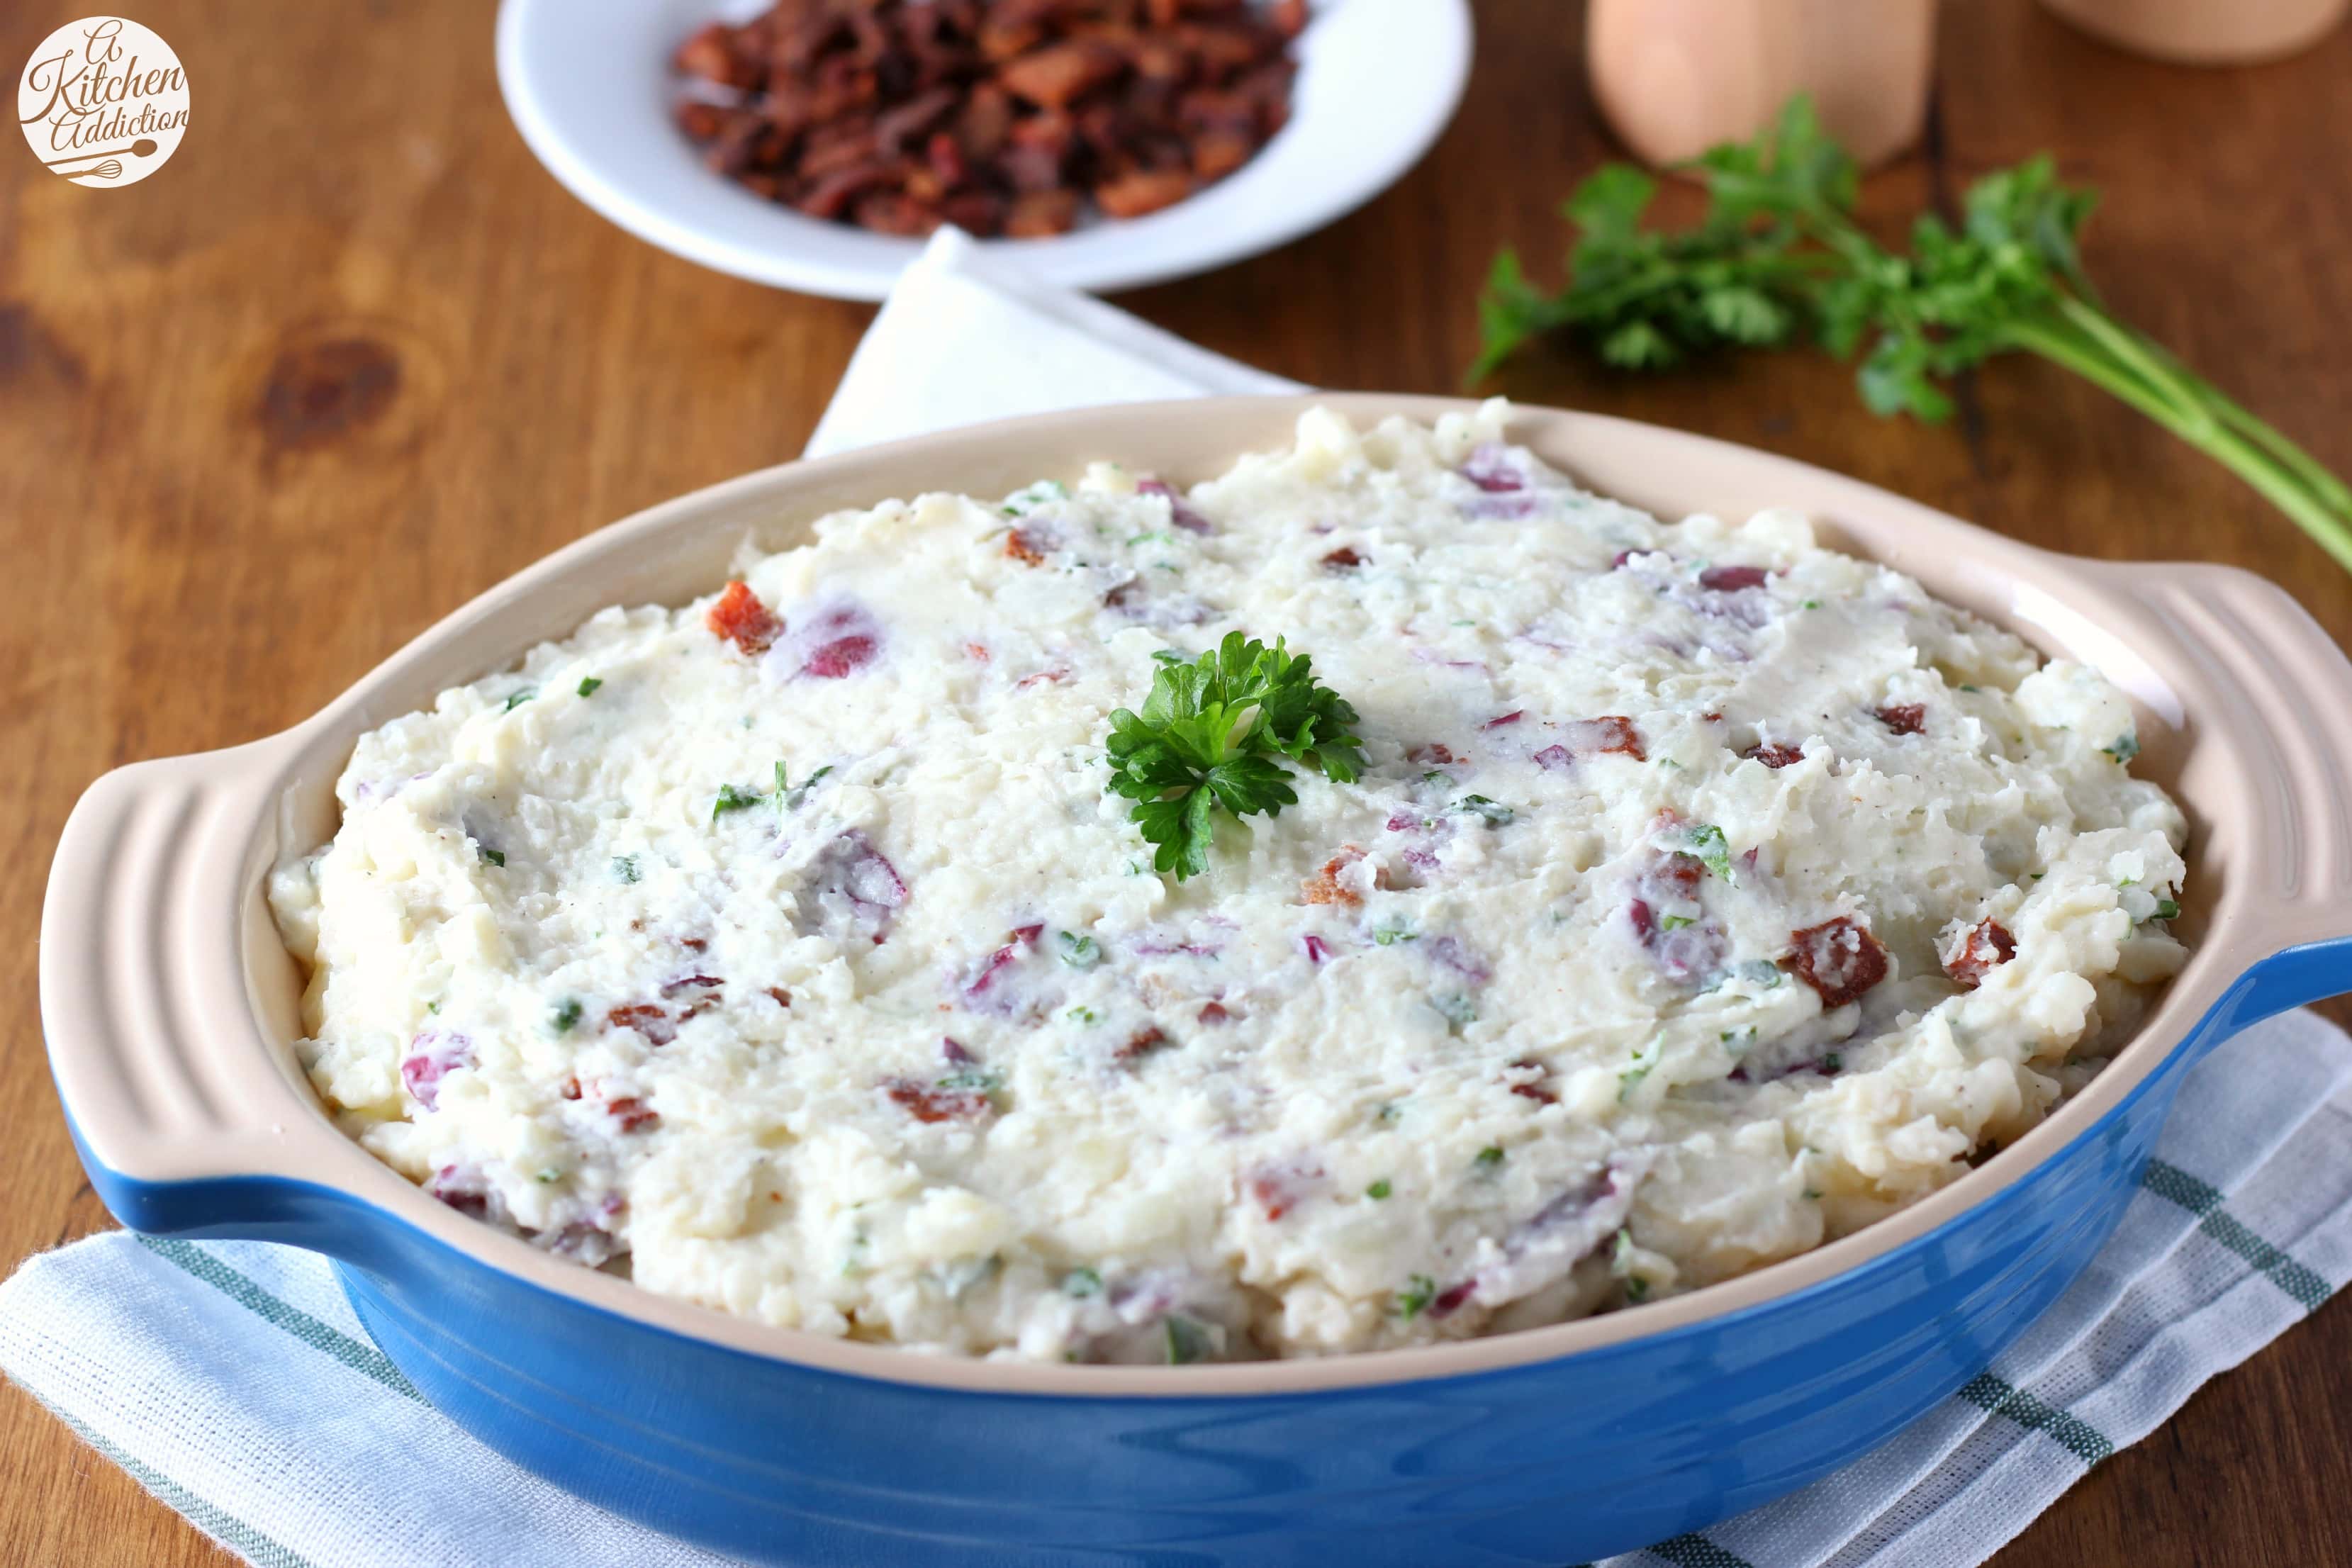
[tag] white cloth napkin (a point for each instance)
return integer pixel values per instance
(234, 1382)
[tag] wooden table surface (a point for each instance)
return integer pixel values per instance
(354, 357)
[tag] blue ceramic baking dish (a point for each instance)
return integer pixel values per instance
(169, 1008)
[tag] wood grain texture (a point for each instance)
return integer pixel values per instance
(354, 357)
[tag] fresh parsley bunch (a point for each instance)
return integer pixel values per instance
(1214, 732)
(1778, 255)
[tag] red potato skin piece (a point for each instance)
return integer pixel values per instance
(1773, 755)
(631, 1113)
(1143, 1042)
(1731, 579)
(1986, 948)
(646, 1019)
(1905, 718)
(738, 616)
(1838, 958)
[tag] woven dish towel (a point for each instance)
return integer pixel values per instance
(232, 1380)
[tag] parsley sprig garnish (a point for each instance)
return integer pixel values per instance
(1212, 734)
(1778, 255)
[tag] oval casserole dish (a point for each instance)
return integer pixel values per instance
(170, 1006)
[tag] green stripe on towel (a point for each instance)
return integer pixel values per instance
(2175, 1185)
(356, 1353)
(226, 1528)
(1697, 1551)
(2071, 1433)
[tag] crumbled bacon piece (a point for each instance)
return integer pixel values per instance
(1143, 1042)
(1613, 735)
(1772, 754)
(1838, 958)
(929, 1102)
(1525, 1077)
(1282, 1187)
(1343, 559)
(1215, 1012)
(631, 1113)
(738, 616)
(1429, 751)
(1023, 549)
(1986, 946)
(1325, 887)
(1905, 718)
(1731, 579)
(652, 1022)
(783, 998)
(571, 1090)
(1053, 677)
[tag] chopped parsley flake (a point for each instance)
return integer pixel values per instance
(1706, 841)
(2166, 910)
(1455, 1007)
(1489, 1158)
(517, 699)
(1675, 922)
(1378, 1190)
(976, 1078)
(588, 685)
(1419, 1291)
(1083, 1015)
(1494, 812)
(624, 869)
(2124, 748)
(1389, 933)
(495, 857)
(1187, 1340)
(1080, 952)
(567, 1013)
(1082, 1283)
(734, 797)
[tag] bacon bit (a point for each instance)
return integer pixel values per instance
(1279, 1188)
(1325, 887)
(1772, 754)
(692, 983)
(692, 944)
(631, 1113)
(1711, 718)
(1317, 949)
(1022, 548)
(571, 1090)
(1986, 947)
(1905, 718)
(783, 998)
(1513, 717)
(1179, 511)
(1143, 1042)
(929, 1103)
(646, 1019)
(1429, 751)
(1687, 951)
(1610, 733)
(740, 618)
(976, 653)
(1451, 1300)
(1731, 579)
(1531, 1087)
(1055, 675)
(839, 657)
(1343, 559)
(1838, 958)
(1215, 1012)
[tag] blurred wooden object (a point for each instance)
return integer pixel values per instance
(1676, 76)
(263, 418)
(2205, 32)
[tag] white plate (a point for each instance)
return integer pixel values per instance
(590, 88)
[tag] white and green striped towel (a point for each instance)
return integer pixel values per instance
(232, 1382)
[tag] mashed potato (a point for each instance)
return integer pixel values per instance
(1709, 894)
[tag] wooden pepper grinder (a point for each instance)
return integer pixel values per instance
(1676, 76)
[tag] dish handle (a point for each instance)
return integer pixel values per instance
(2268, 724)
(189, 1118)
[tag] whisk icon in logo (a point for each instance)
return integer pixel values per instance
(103, 101)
